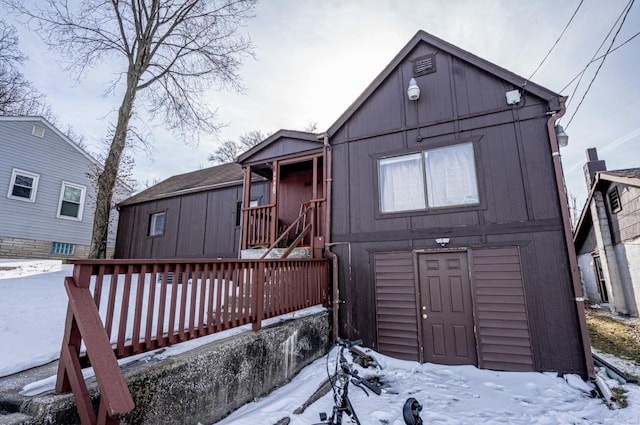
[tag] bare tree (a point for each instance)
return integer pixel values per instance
(17, 95)
(231, 149)
(170, 53)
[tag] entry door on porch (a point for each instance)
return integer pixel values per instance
(446, 309)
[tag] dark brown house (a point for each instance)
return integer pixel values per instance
(444, 211)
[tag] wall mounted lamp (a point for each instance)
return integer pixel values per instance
(413, 91)
(442, 241)
(561, 136)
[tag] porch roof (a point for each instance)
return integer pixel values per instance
(280, 145)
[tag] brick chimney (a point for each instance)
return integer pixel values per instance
(592, 166)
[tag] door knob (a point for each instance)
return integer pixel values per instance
(424, 315)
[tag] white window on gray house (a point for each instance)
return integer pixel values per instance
(435, 178)
(71, 202)
(23, 185)
(156, 224)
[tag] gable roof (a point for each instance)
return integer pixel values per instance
(196, 181)
(46, 123)
(629, 176)
(303, 139)
(424, 37)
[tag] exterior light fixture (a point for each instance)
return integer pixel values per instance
(413, 91)
(561, 136)
(442, 241)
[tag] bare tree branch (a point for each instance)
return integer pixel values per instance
(171, 52)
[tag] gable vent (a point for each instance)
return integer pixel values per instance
(424, 65)
(38, 131)
(614, 200)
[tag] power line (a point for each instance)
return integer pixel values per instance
(598, 58)
(556, 43)
(604, 40)
(584, 95)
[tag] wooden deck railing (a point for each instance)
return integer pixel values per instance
(260, 226)
(119, 308)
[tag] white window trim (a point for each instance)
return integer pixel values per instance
(425, 184)
(80, 208)
(34, 189)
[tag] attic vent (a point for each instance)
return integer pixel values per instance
(614, 200)
(38, 131)
(424, 65)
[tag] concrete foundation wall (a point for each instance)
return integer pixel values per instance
(207, 383)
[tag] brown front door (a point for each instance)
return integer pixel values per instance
(446, 309)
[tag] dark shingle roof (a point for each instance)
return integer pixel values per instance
(195, 181)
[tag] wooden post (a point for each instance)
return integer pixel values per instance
(246, 201)
(258, 297)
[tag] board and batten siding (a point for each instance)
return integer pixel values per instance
(396, 315)
(197, 225)
(55, 160)
(502, 323)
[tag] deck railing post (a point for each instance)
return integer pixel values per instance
(258, 296)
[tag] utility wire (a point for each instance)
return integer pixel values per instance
(604, 40)
(598, 58)
(556, 43)
(584, 95)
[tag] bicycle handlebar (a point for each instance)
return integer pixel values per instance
(348, 344)
(357, 381)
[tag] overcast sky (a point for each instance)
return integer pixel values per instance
(313, 58)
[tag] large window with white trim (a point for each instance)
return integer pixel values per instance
(23, 185)
(434, 178)
(71, 203)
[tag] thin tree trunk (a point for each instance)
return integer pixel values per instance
(109, 175)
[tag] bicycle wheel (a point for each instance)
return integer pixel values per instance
(411, 412)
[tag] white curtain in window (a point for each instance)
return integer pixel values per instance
(401, 183)
(451, 176)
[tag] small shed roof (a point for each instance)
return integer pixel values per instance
(196, 181)
(439, 44)
(629, 176)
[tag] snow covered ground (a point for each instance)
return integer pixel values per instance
(32, 311)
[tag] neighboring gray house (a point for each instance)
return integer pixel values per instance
(46, 194)
(607, 237)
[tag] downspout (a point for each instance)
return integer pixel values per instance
(334, 258)
(573, 261)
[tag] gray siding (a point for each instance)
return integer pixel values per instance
(625, 224)
(55, 160)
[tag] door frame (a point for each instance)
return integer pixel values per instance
(418, 294)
